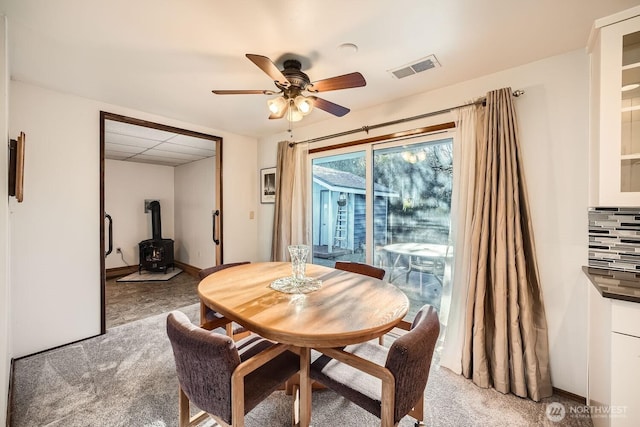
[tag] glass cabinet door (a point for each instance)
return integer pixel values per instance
(630, 123)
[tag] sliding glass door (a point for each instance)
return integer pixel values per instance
(339, 204)
(413, 245)
(389, 205)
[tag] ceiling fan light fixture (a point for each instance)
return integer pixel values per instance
(303, 104)
(291, 82)
(277, 105)
(294, 114)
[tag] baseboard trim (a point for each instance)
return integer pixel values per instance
(571, 396)
(123, 271)
(120, 271)
(189, 269)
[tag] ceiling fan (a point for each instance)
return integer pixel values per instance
(292, 82)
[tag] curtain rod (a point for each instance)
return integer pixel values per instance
(366, 129)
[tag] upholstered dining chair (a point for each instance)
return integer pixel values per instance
(208, 317)
(356, 267)
(403, 369)
(224, 378)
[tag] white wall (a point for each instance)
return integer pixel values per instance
(240, 201)
(194, 204)
(5, 307)
(54, 247)
(553, 118)
(126, 186)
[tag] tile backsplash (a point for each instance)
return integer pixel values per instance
(614, 238)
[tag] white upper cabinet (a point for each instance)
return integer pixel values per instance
(615, 110)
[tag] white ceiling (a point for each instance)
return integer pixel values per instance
(164, 57)
(133, 143)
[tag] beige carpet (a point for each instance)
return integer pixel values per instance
(148, 276)
(127, 378)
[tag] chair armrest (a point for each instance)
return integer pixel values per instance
(359, 363)
(242, 370)
(366, 366)
(404, 325)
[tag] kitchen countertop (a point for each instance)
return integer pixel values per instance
(614, 284)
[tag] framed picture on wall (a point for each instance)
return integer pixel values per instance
(16, 167)
(268, 185)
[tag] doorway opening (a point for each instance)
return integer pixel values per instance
(147, 168)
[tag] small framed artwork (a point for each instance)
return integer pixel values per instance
(16, 167)
(268, 185)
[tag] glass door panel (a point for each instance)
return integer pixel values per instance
(630, 117)
(338, 208)
(407, 193)
(412, 187)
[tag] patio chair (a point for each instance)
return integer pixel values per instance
(432, 266)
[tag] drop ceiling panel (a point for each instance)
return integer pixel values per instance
(190, 141)
(166, 146)
(134, 143)
(171, 155)
(115, 155)
(130, 140)
(120, 148)
(139, 131)
(168, 161)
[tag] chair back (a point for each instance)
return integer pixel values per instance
(409, 360)
(207, 271)
(205, 361)
(365, 269)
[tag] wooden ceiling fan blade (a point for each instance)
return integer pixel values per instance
(340, 82)
(329, 107)
(267, 65)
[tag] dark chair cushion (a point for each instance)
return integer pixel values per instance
(408, 359)
(205, 362)
(358, 387)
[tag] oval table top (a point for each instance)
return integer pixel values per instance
(349, 308)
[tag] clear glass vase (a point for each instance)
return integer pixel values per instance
(299, 254)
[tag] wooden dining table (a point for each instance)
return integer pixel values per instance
(348, 308)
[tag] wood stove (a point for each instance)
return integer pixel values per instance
(156, 254)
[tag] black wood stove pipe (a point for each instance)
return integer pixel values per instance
(156, 224)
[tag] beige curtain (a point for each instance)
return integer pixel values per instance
(506, 343)
(290, 226)
(469, 121)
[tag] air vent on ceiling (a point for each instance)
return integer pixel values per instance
(418, 66)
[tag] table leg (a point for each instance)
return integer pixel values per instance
(305, 387)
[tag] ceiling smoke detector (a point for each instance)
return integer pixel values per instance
(415, 67)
